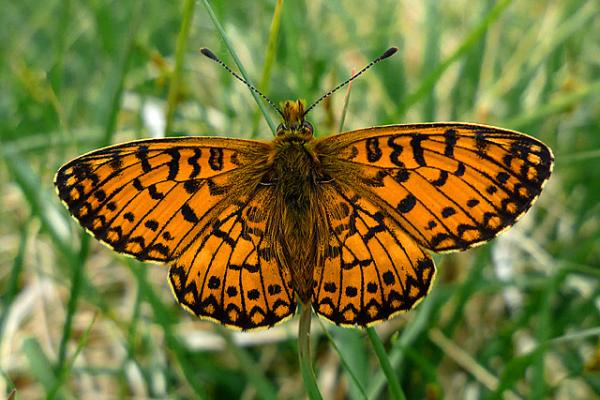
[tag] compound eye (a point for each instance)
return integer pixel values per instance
(281, 129)
(307, 127)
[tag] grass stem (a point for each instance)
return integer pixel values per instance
(304, 357)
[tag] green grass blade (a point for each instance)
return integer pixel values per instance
(392, 380)
(116, 96)
(42, 203)
(15, 273)
(77, 269)
(263, 86)
(304, 354)
(64, 371)
(39, 364)
(346, 102)
(239, 64)
(556, 106)
(165, 319)
(464, 90)
(177, 76)
(417, 327)
(544, 331)
(351, 374)
(255, 377)
(431, 56)
(432, 78)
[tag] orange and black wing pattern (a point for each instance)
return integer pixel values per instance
(228, 272)
(450, 186)
(191, 203)
(144, 198)
(371, 269)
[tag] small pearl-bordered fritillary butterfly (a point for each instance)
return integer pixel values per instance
(343, 223)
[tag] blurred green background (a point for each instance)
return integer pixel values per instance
(517, 318)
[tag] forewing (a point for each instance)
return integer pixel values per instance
(371, 269)
(450, 186)
(228, 273)
(148, 198)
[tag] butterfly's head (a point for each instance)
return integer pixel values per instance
(293, 123)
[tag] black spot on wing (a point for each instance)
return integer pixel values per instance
(460, 169)
(448, 211)
(191, 186)
(137, 184)
(396, 151)
(142, 155)
(193, 162)
(407, 203)
(151, 224)
(481, 143)
(154, 193)
(173, 164)
(215, 160)
(441, 180)
(373, 151)
(401, 176)
(417, 149)
(502, 177)
(472, 203)
(189, 214)
(450, 139)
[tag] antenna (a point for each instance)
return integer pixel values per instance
(206, 52)
(388, 53)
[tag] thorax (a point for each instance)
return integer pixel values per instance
(295, 172)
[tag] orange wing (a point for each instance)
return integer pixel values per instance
(228, 271)
(371, 268)
(147, 198)
(450, 186)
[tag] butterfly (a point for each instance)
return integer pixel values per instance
(343, 223)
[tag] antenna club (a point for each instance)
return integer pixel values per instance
(209, 54)
(388, 53)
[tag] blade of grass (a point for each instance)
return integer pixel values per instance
(345, 364)
(463, 294)
(69, 365)
(544, 330)
(165, 320)
(239, 64)
(346, 102)
(39, 365)
(294, 35)
(304, 356)
(41, 202)
(533, 51)
(562, 103)
(121, 70)
(176, 77)
(424, 316)
(77, 269)
(463, 359)
(392, 380)
(13, 281)
(60, 47)
(431, 56)
(432, 78)
(264, 388)
(517, 367)
(263, 86)
(464, 90)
